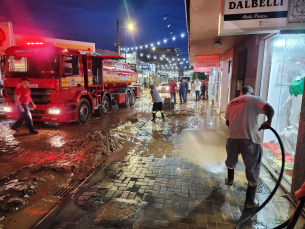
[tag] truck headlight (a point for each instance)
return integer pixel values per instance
(7, 109)
(54, 111)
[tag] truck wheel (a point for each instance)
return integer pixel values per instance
(102, 110)
(83, 111)
(133, 98)
(127, 100)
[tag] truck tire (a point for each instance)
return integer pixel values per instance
(127, 100)
(132, 98)
(102, 109)
(83, 111)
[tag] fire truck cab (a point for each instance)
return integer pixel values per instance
(66, 85)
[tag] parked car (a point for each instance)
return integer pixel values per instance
(163, 88)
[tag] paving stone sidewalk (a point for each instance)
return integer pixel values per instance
(176, 193)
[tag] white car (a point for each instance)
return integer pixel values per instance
(163, 88)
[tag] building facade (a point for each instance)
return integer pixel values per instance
(273, 64)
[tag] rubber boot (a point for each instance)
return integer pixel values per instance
(154, 117)
(162, 115)
(250, 196)
(230, 177)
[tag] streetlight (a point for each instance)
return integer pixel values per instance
(118, 22)
(173, 17)
(175, 32)
(130, 27)
(169, 24)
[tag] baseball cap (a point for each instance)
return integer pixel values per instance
(24, 78)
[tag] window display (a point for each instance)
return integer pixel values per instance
(284, 67)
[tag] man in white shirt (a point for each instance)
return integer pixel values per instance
(156, 99)
(242, 120)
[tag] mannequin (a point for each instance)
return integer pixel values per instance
(293, 108)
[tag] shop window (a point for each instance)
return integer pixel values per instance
(282, 87)
(70, 65)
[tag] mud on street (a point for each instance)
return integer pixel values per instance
(35, 168)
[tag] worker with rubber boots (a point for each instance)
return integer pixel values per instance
(156, 99)
(242, 119)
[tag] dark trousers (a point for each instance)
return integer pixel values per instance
(203, 91)
(173, 94)
(182, 97)
(251, 154)
(197, 95)
(24, 116)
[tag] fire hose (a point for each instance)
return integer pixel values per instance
(290, 223)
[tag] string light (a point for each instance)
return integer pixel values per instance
(165, 41)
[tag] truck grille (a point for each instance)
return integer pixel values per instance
(36, 117)
(37, 112)
(39, 95)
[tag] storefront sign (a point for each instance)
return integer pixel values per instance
(260, 16)
(196, 69)
(133, 67)
(145, 67)
(207, 61)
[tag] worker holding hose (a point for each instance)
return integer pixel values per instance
(242, 120)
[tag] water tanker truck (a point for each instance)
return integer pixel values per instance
(66, 85)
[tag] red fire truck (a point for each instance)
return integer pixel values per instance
(66, 85)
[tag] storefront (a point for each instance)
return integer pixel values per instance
(282, 84)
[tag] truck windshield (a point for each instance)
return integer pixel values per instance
(32, 67)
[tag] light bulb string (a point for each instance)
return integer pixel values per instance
(151, 44)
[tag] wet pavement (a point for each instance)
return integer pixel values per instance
(168, 174)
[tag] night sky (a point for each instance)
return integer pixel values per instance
(95, 20)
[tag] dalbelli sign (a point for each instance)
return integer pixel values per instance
(260, 16)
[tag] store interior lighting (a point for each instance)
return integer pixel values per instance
(279, 43)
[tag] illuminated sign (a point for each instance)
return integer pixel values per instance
(207, 61)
